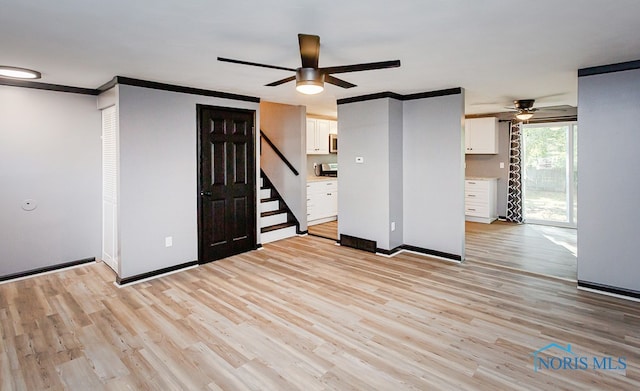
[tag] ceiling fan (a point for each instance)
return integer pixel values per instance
(309, 77)
(525, 110)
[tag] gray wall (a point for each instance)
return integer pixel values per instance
(158, 176)
(609, 179)
(413, 172)
(489, 166)
(363, 189)
(285, 126)
(396, 180)
(50, 151)
(434, 173)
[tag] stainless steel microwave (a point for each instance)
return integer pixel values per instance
(333, 143)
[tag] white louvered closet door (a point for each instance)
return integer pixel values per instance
(110, 159)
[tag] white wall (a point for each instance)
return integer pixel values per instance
(49, 152)
(434, 173)
(609, 179)
(285, 126)
(158, 176)
(363, 189)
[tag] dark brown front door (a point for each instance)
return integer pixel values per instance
(226, 180)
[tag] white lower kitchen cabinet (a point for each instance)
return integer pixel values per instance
(322, 201)
(480, 200)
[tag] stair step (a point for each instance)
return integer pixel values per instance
(277, 226)
(278, 234)
(273, 212)
(269, 206)
(265, 192)
(266, 221)
(274, 216)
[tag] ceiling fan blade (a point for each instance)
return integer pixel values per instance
(338, 82)
(255, 64)
(555, 108)
(539, 98)
(361, 67)
(309, 50)
(277, 83)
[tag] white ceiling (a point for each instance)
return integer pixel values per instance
(498, 50)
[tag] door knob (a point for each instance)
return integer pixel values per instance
(205, 193)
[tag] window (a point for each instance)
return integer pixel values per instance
(550, 173)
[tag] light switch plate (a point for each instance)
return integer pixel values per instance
(168, 241)
(501, 164)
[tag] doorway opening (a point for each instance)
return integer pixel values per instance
(548, 244)
(550, 173)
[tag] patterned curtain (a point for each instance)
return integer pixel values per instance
(514, 196)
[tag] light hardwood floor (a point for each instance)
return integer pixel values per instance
(540, 249)
(327, 230)
(533, 248)
(306, 314)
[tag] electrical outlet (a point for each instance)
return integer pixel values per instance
(168, 241)
(501, 164)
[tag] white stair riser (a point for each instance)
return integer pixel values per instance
(278, 234)
(269, 206)
(265, 193)
(273, 220)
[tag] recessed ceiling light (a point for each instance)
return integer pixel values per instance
(18, 73)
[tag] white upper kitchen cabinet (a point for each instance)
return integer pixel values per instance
(318, 136)
(481, 135)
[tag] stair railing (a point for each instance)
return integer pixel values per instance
(277, 151)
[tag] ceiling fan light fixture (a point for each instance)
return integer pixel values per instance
(524, 115)
(309, 81)
(309, 88)
(18, 73)
(310, 78)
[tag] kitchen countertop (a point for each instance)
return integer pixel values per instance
(321, 178)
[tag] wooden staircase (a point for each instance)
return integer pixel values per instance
(276, 220)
